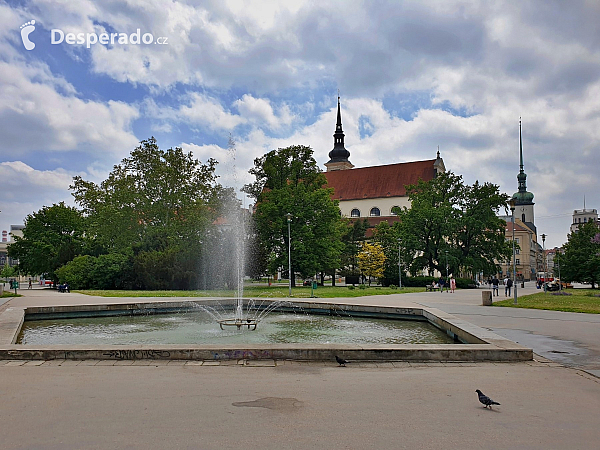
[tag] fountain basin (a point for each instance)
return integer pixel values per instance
(472, 343)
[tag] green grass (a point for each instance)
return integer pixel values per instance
(261, 291)
(7, 294)
(581, 300)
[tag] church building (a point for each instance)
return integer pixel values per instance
(373, 192)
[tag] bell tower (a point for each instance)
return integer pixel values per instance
(338, 157)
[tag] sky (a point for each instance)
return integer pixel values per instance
(412, 76)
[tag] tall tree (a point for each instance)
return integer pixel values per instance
(581, 258)
(150, 193)
(450, 218)
(52, 237)
(288, 180)
(353, 237)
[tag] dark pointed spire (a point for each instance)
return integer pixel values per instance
(339, 152)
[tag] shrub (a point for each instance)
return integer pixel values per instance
(393, 286)
(362, 286)
(351, 287)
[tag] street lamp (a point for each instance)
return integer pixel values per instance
(557, 259)
(512, 202)
(545, 267)
(399, 267)
(289, 221)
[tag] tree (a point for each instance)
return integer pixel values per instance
(371, 260)
(448, 216)
(52, 237)
(152, 192)
(353, 237)
(156, 207)
(288, 180)
(8, 272)
(581, 258)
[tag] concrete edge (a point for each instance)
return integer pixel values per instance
(482, 345)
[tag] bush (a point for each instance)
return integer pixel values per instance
(418, 281)
(362, 286)
(351, 287)
(393, 286)
(78, 272)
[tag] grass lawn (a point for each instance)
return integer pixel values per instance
(580, 300)
(262, 291)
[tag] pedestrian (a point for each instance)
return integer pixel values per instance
(505, 282)
(509, 284)
(452, 284)
(442, 284)
(495, 283)
(489, 282)
(29, 286)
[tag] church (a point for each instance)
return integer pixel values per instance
(373, 192)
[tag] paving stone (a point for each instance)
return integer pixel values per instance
(194, 363)
(176, 362)
(54, 362)
(261, 363)
(89, 362)
(124, 362)
(34, 363)
(14, 363)
(106, 362)
(211, 363)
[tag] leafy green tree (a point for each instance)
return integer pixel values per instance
(8, 272)
(581, 258)
(152, 192)
(288, 180)
(388, 237)
(52, 237)
(450, 218)
(353, 237)
(371, 260)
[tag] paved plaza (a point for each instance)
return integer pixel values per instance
(551, 402)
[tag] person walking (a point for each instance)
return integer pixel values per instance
(495, 283)
(509, 284)
(442, 284)
(505, 282)
(452, 284)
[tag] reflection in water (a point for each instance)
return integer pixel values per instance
(200, 328)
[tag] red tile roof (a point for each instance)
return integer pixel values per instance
(378, 181)
(517, 227)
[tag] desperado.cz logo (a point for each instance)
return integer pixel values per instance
(58, 36)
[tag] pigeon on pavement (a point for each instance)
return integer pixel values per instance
(341, 362)
(484, 399)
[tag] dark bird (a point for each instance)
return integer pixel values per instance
(484, 399)
(341, 362)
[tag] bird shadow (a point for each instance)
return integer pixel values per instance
(492, 410)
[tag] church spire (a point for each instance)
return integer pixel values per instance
(338, 157)
(522, 196)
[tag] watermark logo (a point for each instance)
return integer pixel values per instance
(58, 36)
(26, 30)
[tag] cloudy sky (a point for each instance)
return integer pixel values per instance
(412, 76)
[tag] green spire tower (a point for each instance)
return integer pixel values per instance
(523, 198)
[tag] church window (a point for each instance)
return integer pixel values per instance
(523, 217)
(355, 213)
(375, 212)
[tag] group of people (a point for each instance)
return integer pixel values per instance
(495, 283)
(441, 284)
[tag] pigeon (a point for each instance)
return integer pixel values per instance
(341, 362)
(484, 399)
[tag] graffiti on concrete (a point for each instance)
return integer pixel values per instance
(137, 354)
(243, 354)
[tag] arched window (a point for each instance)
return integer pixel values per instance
(375, 212)
(523, 217)
(392, 213)
(355, 213)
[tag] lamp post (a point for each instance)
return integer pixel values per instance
(557, 258)
(512, 204)
(545, 269)
(399, 267)
(289, 221)
(447, 280)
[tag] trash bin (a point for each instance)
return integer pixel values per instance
(314, 285)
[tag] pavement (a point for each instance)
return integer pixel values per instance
(546, 403)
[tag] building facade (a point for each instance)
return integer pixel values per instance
(583, 216)
(373, 192)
